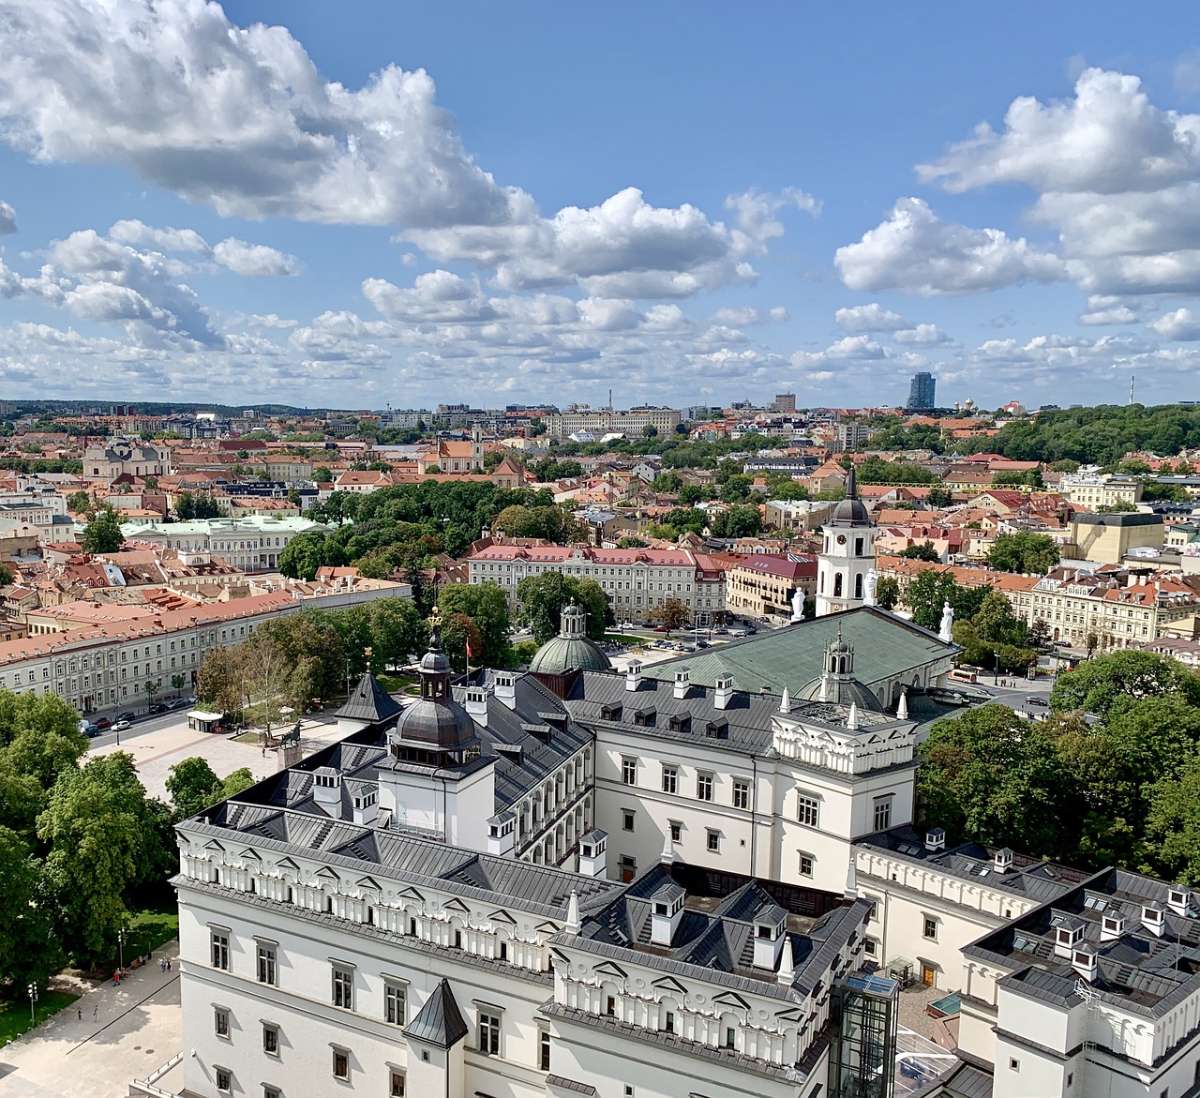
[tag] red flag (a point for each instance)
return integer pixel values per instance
(469, 652)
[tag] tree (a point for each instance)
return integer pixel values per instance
(486, 605)
(931, 589)
(152, 687)
(630, 542)
(103, 533)
(989, 776)
(737, 522)
(1023, 552)
(303, 555)
(939, 496)
(1100, 683)
(191, 785)
(673, 613)
(29, 946)
(178, 682)
(543, 597)
(1173, 825)
(219, 681)
(887, 592)
(103, 841)
(922, 551)
(397, 632)
(458, 633)
(79, 503)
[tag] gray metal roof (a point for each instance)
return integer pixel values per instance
(369, 702)
(439, 1022)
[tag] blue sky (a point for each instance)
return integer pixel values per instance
(365, 203)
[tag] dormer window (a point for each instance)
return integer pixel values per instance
(610, 712)
(681, 722)
(644, 718)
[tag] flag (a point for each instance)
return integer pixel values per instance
(469, 652)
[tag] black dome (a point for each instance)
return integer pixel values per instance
(442, 725)
(851, 510)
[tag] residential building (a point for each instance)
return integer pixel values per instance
(921, 392)
(1096, 491)
(764, 586)
(784, 402)
(799, 515)
(852, 434)
(632, 423)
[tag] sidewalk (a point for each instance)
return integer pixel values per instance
(97, 1045)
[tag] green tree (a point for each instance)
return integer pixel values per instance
(887, 592)
(543, 597)
(219, 680)
(79, 503)
(1100, 683)
(192, 786)
(673, 613)
(1023, 552)
(22, 797)
(989, 776)
(632, 542)
(397, 632)
(103, 533)
(737, 522)
(303, 555)
(939, 496)
(921, 551)
(1173, 825)
(931, 589)
(29, 946)
(487, 606)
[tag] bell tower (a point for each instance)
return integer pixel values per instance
(847, 554)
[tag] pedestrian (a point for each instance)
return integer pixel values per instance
(79, 1010)
(95, 1011)
(168, 964)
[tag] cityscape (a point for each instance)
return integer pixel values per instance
(503, 595)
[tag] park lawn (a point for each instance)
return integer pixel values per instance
(626, 639)
(149, 929)
(395, 683)
(14, 1016)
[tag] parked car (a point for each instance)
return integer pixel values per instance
(87, 728)
(738, 633)
(120, 726)
(159, 707)
(661, 629)
(103, 723)
(126, 717)
(179, 703)
(703, 644)
(1037, 701)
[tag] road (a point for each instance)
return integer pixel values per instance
(143, 726)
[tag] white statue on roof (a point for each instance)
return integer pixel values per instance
(871, 579)
(946, 633)
(798, 605)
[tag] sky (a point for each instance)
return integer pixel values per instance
(367, 204)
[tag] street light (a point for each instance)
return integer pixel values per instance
(33, 998)
(121, 947)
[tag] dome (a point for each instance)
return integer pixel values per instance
(842, 691)
(440, 725)
(850, 511)
(561, 654)
(572, 649)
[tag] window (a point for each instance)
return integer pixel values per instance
(266, 963)
(341, 1064)
(676, 831)
(395, 1004)
(704, 786)
(271, 1092)
(489, 1033)
(730, 1036)
(712, 840)
(270, 1039)
(224, 1079)
(627, 819)
(628, 868)
(221, 1022)
(396, 1087)
(670, 779)
(219, 940)
(343, 987)
(669, 1021)
(808, 810)
(741, 793)
(629, 771)
(610, 1006)
(870, 946)
(543, 1049)
(883, 813)
(806, 865)
(930, 928)
(1014, 1064)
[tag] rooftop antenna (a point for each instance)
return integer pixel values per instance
(1132, 379)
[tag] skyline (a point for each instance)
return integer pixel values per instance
(520, 210)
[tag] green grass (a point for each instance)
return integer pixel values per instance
(14, 1016)
(625, 638)
(149, 929)
(394, 683)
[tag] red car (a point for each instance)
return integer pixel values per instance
(661, 629)
(103, 723)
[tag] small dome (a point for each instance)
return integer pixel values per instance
(562, 654)
(841, 691)
(439, 725)
(851, 510)
(435, 661)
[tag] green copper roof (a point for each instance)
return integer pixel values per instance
(561, 654)
(884, 646)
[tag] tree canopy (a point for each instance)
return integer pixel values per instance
(1023, 552)
(543, 597)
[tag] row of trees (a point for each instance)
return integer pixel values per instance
(1121, 787)
(81, 846)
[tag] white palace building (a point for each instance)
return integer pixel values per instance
(691, 880)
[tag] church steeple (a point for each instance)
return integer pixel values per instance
(847, 553)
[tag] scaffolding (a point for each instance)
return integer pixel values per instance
(863, 1052)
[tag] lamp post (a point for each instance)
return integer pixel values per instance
(121, 934)
(33, 998)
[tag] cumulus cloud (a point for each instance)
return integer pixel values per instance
(254, 260)
(923, 334)
(140, 235)
(913, 250)
(8, 219)
(1182, 324)
(869, 318)
(1106, 309)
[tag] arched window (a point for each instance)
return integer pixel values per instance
(858, 586)
(837, 584)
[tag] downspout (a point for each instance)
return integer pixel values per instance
(754, 818)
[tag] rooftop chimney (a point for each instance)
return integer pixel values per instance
(1083, 961)
(666, 913)
(723, 691)
(1154, 919)
(683, 680)
(1002, 860)
(1112, 926)
(593, 854)
(633, 675)
(1179, 900)
(505, 688)
(935, 839)
(502, 831)
(327, 789)
(769, 937)
(477, 705)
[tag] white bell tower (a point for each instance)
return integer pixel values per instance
(847, 554)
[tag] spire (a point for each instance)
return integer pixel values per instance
(902, 708)
(787, 969)
(573, 924)
(852, 720)
(852, 483)
(785, 703)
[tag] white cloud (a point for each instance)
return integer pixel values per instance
(779, 312)
(8, 219)
(255, 260)
(869, 318)
(270, 320)
(914, 251)
(922, 334)
(1182, 324)
(140, 235)
(756, 212)
(1107, 309)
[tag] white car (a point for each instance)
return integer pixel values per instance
(120, 726)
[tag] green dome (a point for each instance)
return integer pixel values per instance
(842, 691)
(571, 650)
(561, 654)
